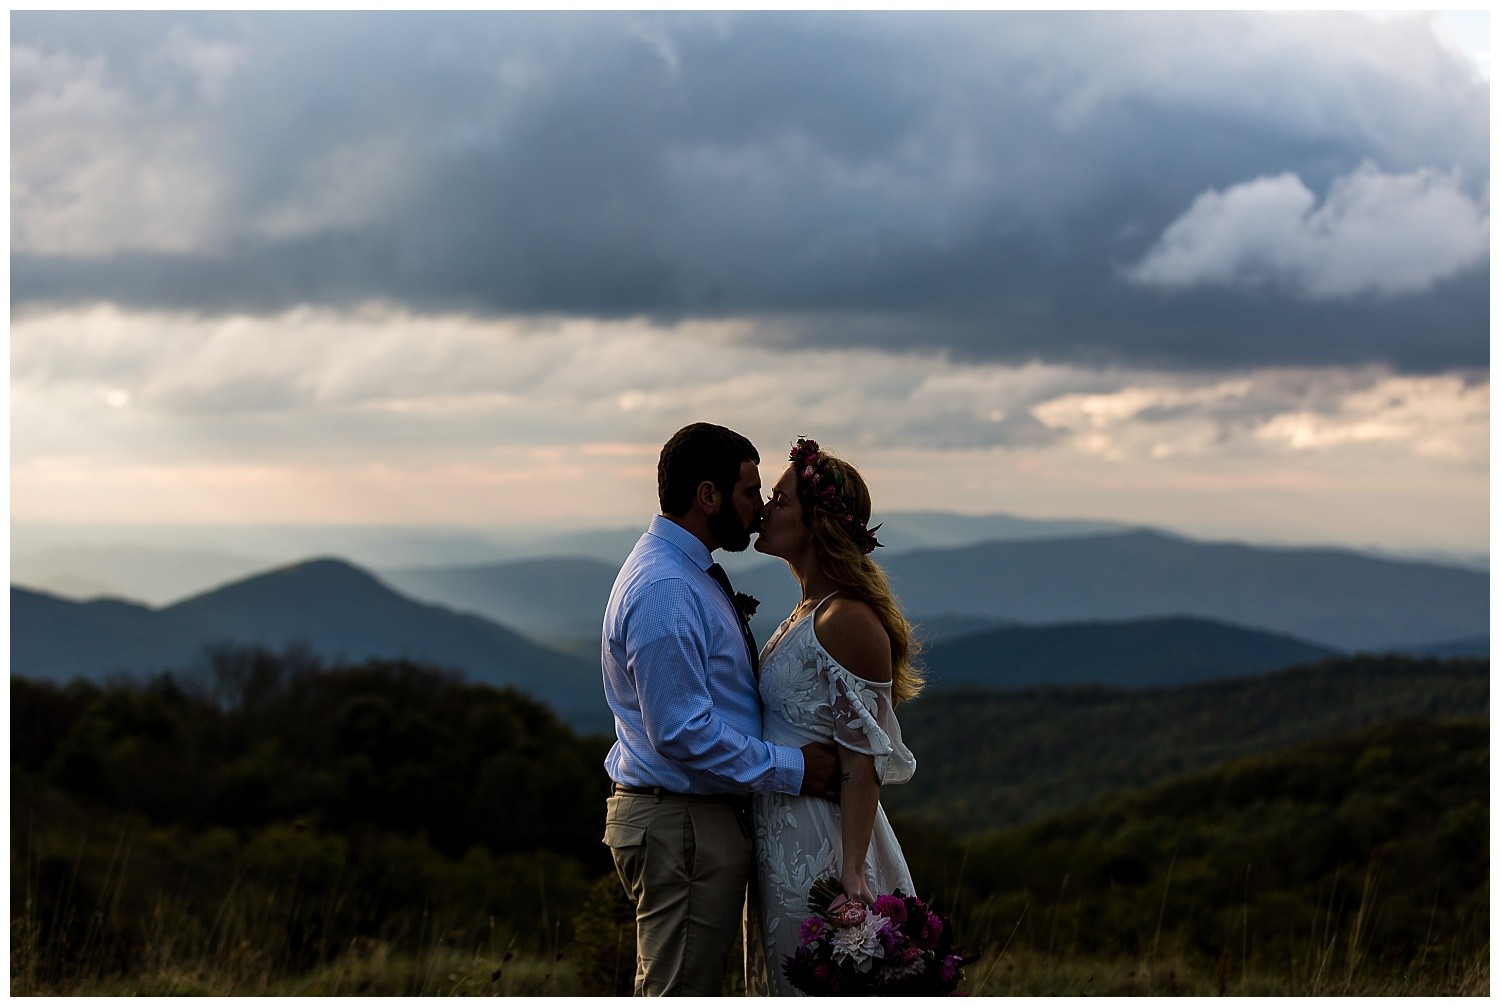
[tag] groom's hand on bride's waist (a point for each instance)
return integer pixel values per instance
(820, 770)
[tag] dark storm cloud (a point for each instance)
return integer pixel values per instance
(976, 183)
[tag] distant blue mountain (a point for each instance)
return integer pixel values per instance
(558, 599)
(339, 611)
(1144, 652)
(1336, 598)
(535, 624)
(1478, 646)
(1345, 601)
(164, 564)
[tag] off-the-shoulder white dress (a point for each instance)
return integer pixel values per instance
(808, 696)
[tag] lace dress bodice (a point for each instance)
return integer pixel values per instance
(808, 696)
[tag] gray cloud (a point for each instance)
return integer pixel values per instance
(968, 183)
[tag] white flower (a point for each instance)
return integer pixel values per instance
(859, 944)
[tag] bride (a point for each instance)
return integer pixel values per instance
(833, 670)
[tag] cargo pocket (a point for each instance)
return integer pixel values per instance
(628, 844)
(619, 835)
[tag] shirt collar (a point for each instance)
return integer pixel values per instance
(665, 528)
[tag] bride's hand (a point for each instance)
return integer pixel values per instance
(855, 887)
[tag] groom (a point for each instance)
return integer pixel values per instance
(680, 675)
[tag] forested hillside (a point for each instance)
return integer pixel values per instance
(1142, 652)
(1327, 861)
(989, 760)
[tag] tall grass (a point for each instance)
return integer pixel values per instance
(175, 949)
(68, 938)
(1334, 959)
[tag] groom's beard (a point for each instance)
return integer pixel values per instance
(728, 531)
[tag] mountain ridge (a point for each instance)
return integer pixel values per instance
(1166, 651)
(1333, 597)
(515, 622)
(162, 564)
(341, 611)
(1339, 599)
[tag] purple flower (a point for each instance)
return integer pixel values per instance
(812, 928)
(905, 964)
(890, 907)
(895, 946)
(799, 968)
(931, 932)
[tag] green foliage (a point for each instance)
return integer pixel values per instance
(1357, 854)
(384, 745)
(296, 809)
(990, 760)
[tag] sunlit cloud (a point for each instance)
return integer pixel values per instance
(1443, 418)
(403, 417)
(1440, 418)
(1374, 233)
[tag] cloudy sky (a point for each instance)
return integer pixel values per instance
(1226, 273)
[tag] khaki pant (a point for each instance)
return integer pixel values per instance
(684, 862)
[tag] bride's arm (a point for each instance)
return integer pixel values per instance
(858, 799)
(853, 635)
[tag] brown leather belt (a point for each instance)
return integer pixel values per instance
(734, 800)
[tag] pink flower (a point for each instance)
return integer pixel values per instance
(890, 907)
(812, 929)
(845, 912)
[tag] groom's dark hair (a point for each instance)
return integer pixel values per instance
(697, 452)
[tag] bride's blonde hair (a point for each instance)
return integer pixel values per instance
(839, 522)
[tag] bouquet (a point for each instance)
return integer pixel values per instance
(896, 947)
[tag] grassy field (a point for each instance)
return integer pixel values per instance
(445, 971)
(180, 954)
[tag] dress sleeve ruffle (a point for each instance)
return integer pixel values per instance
(864, 721)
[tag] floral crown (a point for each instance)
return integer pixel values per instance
(822, 486)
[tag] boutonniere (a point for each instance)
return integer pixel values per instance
(746, 605)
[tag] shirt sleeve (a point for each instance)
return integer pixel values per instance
(864, 721)
(668, 658)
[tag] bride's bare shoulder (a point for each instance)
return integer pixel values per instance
(854, 636)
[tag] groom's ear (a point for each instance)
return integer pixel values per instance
(708, 496)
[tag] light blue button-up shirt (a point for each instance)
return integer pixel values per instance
(677, 675)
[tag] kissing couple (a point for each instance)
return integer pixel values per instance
(731, 767)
